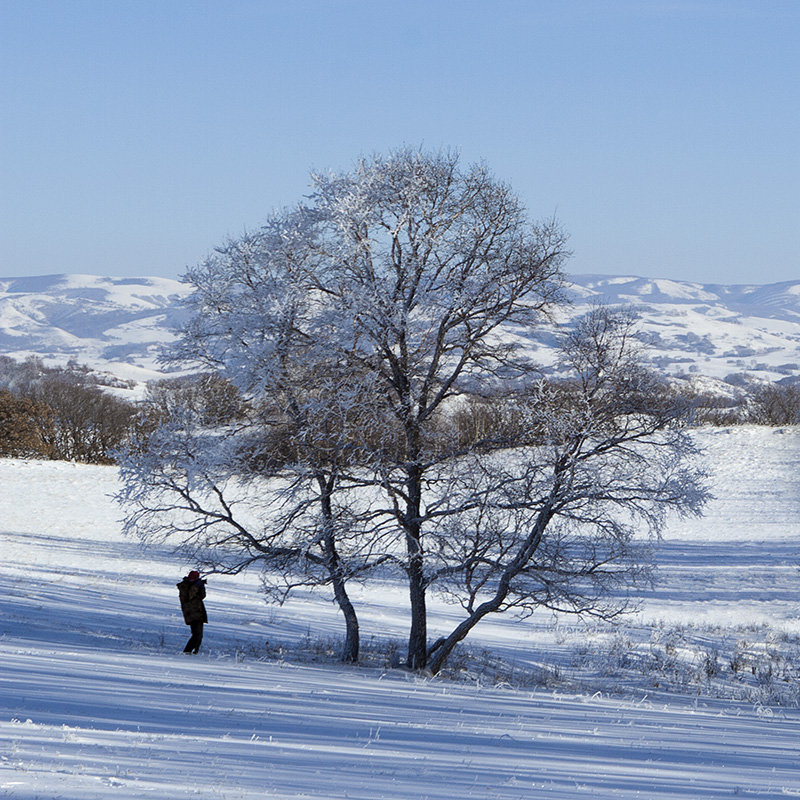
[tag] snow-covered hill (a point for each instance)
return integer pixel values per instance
(116, 325)
(694, 697)
(708, 329)
(119, 324)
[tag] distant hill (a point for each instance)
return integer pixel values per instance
(708, 329)
(118, 325)
(111, 324)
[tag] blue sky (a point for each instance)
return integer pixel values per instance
(136, 135)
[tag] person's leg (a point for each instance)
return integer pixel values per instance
(197, 635)
(193, 644)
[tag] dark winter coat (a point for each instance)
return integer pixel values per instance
(191, 594)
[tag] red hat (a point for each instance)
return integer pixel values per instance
(193, 575)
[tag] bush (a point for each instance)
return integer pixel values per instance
(776, 404)
(88, 424)
(75, 418)
(26, 427)
(210, 397)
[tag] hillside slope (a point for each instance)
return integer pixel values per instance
(119, 324)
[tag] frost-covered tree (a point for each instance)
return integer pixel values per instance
(353, 328)
(374, 305)
(421, 263)
(261, 486)
(566, 522)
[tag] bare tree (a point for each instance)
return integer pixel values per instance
(222, 498)
(88, 423)
(352, 330)
(211, 397)
(85, 422)
(423, 262)
(775, 404)
(396, 280)
(26, 426)
(261, 486)
(566, 522)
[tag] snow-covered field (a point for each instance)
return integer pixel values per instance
(695, 696)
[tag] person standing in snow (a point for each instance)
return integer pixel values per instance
(192, 590)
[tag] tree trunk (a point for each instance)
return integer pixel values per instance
(334, 567)
(351, 642)
(445, 646)
(418, 637)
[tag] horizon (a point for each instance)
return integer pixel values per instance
(662, 136)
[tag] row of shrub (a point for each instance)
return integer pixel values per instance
(71, 413)
(773, 404)
(60, 413)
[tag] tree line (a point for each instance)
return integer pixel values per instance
(60, 413)
(66, 414)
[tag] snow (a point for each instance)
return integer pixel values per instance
(97, 701)
(710, 330)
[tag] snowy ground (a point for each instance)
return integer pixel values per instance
(696, 696)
